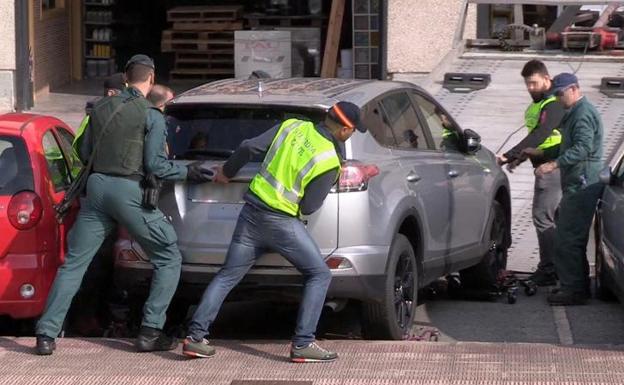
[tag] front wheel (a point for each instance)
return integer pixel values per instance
(392, 319)
(485, 274)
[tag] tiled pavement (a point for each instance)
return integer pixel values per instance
(104, 362)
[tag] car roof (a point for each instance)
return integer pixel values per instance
(16, 122)
(305, 92)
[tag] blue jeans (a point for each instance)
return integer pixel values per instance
(257, 232)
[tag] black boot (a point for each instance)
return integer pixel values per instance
(152, 339)
(45, 345)
(542, 278)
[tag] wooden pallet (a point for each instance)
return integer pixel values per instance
(204, 13)
(203, 57)
(216, 65)
(170, 34)
(192, 45)
(208, 26)
(200, 74)
(258, 21)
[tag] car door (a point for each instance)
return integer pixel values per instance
(469, 198)
(57, 157)
(422, 176)
(612, 214)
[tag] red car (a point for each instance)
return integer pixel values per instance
(36, 160)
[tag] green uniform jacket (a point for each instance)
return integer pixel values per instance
(155, 159)
(580, 153)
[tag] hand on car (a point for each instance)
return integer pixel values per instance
(219, 176)
(198, 174)
(501, 160)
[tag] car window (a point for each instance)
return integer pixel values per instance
(377, 125)
(57, 167)
(15, 167)
(401, 115)
(66, 139)
(445, 134)
(206, 131)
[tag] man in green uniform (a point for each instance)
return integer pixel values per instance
(579, 159)
(542, 119)
(301, 164)
(126, 137)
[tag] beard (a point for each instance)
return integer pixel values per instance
(537, 96)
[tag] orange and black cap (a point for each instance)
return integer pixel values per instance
(346, 114)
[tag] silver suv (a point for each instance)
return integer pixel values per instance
(417, 198)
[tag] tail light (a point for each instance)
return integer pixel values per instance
(354, 176)
(25, 210)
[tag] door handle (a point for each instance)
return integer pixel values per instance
(412, 178)
(453, 174)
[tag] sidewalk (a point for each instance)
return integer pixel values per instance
(96, 361)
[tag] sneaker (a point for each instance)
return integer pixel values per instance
(566, 298)
(311, 353)
(45, 345)
(201, 349)
(543, 279)
(154, 340)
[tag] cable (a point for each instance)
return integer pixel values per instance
(509, 137)
(582, 60)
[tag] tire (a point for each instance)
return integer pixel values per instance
(392, 319)
(603, 291)
(484, 275)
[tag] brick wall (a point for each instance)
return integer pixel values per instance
(52, 48)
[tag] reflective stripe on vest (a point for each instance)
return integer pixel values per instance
(298, 154)
(531, 120)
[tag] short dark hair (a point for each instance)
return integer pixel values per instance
(137, 73)
(534, 67)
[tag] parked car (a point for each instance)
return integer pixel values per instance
(608, 229)
(417, 197)
(35, 163)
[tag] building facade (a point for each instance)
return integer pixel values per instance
(419, 33)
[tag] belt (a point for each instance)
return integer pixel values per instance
(133, 177)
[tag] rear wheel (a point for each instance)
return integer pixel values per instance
(485, 274)
(602, 288)
(392, 319)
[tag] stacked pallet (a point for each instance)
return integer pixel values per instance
(202, 39)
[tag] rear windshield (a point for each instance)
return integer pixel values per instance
(214, 132)
(15, 170)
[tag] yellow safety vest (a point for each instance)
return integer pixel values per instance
(531, 120)
(298, 154)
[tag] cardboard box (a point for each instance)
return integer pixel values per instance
(306, 50)
(269, 51)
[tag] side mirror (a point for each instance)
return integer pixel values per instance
(472, 141)
(606, 176)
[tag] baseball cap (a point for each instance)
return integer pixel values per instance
(562, 81)
(141, 59)
(347, 114)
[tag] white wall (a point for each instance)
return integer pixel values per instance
(7, 54)
(420, 33)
